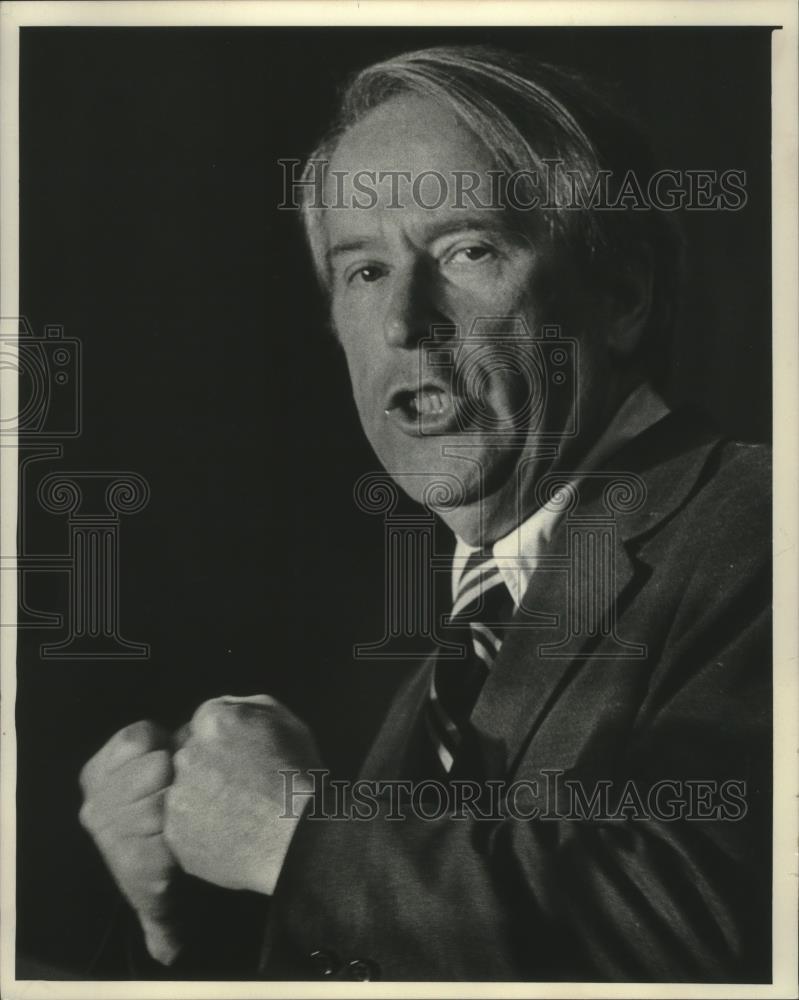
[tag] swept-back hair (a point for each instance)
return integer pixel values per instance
(529, 114)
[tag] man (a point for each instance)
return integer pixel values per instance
(601, 697)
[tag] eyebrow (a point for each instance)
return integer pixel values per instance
(443, 227)
(347, 246)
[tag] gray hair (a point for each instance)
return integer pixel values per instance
(526, 113)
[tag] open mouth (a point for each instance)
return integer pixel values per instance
(430, 409)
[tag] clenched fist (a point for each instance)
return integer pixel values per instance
(123, 810)
(226, 816)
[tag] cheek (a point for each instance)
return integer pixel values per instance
(354, 345)
(512, 293)
(361, 368)
(360, 393)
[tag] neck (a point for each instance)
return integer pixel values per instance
(497, 514)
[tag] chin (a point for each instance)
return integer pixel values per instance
(450, 484)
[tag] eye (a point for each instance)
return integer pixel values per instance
(470, 254)
(367, 274)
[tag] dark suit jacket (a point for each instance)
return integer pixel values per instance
(679, 690)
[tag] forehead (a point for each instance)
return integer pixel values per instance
(410, 133)
(396, 150)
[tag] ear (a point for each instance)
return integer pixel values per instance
(628, 305)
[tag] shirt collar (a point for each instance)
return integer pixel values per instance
(517, 553)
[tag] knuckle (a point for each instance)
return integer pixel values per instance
(206, 720)
(143, 735)
(95, 767)
(86, 816)
(255, 707)
(253, 701)
(229, 709)
(130, 742)
(85, 776)
(236, 714)
(157, 768)
(209, 708)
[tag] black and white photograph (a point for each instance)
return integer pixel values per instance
(394, 412)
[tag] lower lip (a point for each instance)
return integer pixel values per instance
(426, 424)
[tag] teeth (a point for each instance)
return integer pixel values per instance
(427, 402)
(424, 403)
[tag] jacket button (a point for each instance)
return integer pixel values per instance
(363, 970)
(325, 963)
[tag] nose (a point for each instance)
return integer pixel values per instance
(410, 310)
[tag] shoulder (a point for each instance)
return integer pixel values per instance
(707, 499)
(734, 493)
(691, 473)
(745, 467)
(719, 540)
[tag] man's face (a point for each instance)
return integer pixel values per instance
(397, 272)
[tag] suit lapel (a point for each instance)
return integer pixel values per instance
(536, 662)
(403, 738)
(574, 593)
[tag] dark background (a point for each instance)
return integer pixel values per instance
(149, 230)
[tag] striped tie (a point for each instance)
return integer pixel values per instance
(483, 605)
